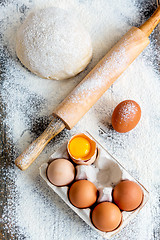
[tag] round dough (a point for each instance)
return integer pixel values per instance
(53, 44)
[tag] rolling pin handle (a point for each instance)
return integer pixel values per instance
(151, 23)
(35, 148)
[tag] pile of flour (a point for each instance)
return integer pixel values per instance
(32, 210)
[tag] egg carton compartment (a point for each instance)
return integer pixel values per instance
(105, 173)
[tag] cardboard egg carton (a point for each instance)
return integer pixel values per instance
(105, 173)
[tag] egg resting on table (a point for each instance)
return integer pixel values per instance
(61, 172)
(126, 116)
(82, 194)
(106, 216)
(127, 195)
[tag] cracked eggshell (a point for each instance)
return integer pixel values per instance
(91, 156)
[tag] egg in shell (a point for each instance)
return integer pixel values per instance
(106, 216)
(60, 172)
(82, 194)
(126, 116)
(82, 149)
(127, 195)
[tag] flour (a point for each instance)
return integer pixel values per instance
(127, 110)
(102, 76)
(53, 44)
(32, 210)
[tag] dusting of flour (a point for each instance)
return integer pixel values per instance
(32, 210)
(70, 53)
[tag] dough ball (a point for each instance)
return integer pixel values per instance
(53, 44)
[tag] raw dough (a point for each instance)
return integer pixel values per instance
(53, 44)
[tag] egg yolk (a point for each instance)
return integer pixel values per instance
(79, 147)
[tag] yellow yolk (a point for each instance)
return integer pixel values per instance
(79, 147)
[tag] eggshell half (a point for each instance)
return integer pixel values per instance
(91, 156)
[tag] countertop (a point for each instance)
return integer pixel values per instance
(29, 209)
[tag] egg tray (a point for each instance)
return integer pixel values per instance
(108, 173)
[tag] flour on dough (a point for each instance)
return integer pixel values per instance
(53, 44)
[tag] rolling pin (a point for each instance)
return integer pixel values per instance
(92, 87)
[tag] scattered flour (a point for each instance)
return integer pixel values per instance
(32, 210)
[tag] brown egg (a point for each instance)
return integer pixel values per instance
(127, 195)
(82, 194)
(60, 172)
(106, 216)
(126, 116)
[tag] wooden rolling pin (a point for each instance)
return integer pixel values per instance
(92, 87)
